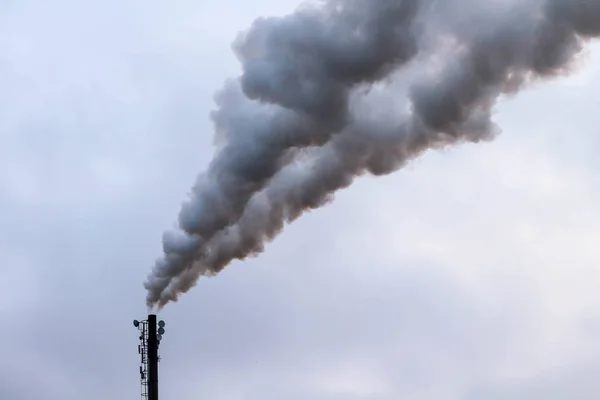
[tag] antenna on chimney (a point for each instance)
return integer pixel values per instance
(150, 336)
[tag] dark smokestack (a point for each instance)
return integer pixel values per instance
(152, 358)
(360, 86)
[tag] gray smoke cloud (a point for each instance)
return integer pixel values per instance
(343, 88)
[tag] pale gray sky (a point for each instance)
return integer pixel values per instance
(471, 274)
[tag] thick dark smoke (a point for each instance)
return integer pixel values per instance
(345, 88)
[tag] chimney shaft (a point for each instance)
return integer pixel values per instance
(152, 358)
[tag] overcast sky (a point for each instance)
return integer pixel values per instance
(472, 274)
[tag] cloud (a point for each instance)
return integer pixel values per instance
(470, 274)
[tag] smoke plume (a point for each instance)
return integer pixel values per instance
(342, 88)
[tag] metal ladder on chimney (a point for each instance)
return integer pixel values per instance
(143, 351)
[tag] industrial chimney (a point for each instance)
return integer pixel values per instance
(150, 336)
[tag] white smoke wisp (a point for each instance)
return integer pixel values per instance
(363, 86)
